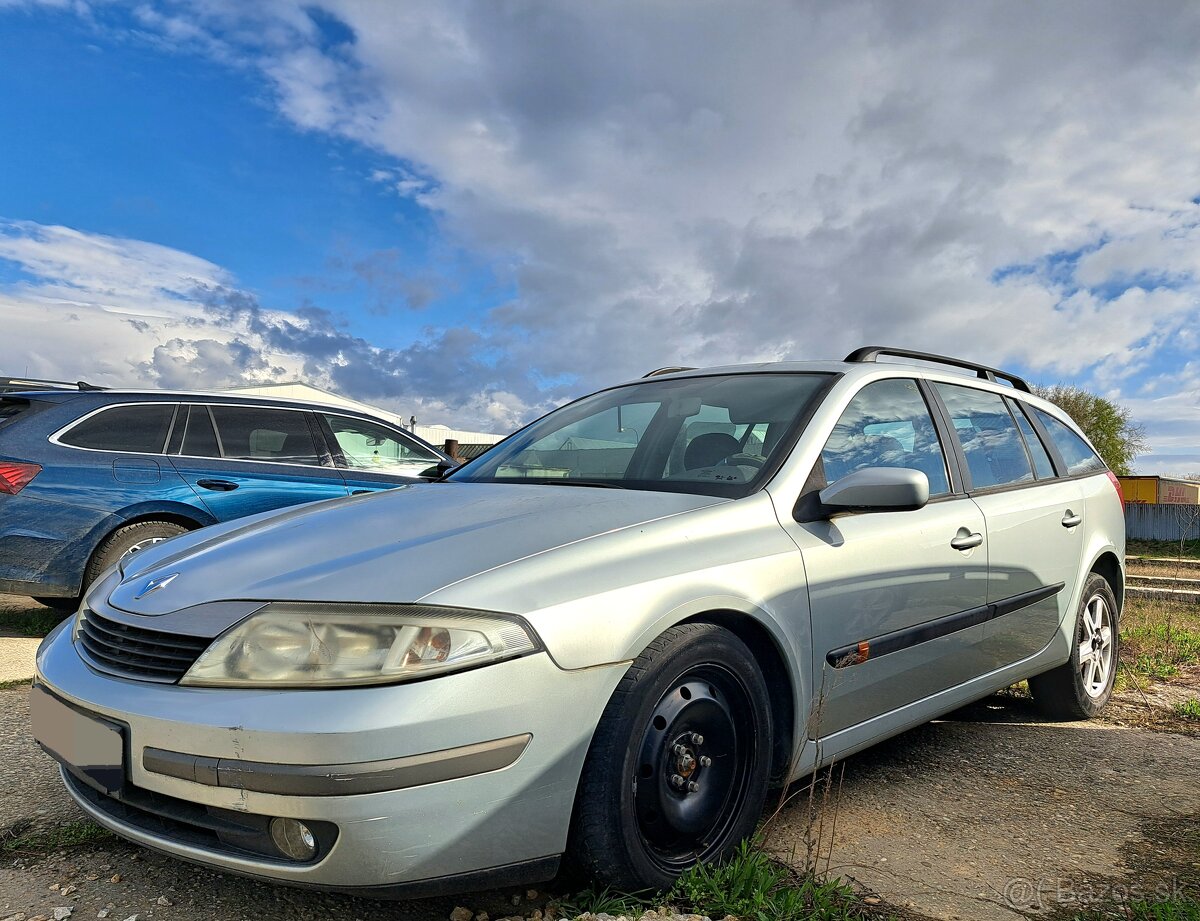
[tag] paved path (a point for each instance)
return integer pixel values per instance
(16, 658)
(17, 650)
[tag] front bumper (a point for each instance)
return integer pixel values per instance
(513, 818)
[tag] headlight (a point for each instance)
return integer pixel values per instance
(307, 645)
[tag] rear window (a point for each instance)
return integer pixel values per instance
(140, 429)
(10, 409)
(1076, 454)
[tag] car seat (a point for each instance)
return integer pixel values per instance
(709, 449)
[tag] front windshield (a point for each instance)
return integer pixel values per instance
(717, 435)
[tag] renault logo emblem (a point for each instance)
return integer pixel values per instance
(153, 585)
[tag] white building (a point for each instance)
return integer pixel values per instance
(436, 434)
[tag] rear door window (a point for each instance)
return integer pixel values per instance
(139, 429)
(989, 436)
(1042, 465)
(199, 436)
(1079, 458)
(280, 436)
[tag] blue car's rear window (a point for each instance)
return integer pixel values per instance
(13, 407)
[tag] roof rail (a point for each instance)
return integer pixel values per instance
(16, 384)
(872, 352)
(669, 370)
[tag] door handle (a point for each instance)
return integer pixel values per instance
(968, 541)
(1071, 520)
(217, 485)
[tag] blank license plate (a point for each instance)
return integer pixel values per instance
(89, 747)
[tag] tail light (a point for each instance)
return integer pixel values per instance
(1117, 486)
(14, 476)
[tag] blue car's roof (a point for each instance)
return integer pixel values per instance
(92, 399)
(174, 396)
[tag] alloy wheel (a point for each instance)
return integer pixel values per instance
(1096, 647)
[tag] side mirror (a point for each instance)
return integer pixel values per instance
(440, 470)
(877, 489)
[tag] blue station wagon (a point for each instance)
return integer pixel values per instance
(87, 476)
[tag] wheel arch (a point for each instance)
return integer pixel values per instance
(191, 522)
(1109, 567)
(782, 692)
(188, 518)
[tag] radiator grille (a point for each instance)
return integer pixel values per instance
(136, 652)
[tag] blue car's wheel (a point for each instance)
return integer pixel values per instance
(129, 539)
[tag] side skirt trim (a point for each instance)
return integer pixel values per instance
(857, 653)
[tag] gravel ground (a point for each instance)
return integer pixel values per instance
(983, 815)
(992, 813)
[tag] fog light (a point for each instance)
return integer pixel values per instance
(293, 838)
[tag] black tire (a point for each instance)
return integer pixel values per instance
(60, 605)
(697, 687)
(1071, 691)
(131, 538)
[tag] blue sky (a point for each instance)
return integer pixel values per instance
(134, 141)
(473, 212)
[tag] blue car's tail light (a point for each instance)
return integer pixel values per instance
(15, 476)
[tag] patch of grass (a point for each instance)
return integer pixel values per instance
(14, 684)
(1169, 910)
(604, 901)
(35, 621)
(1189, 709)
(22, 837)
(751, 886)
(1158, 638)
(1164, 549)
(755, 887)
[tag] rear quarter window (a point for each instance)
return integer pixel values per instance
(140, 429)
(1076, 454)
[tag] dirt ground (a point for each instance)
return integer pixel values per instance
(991, 813)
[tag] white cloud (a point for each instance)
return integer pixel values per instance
(122, 312)
(125, 276)
(746, 182)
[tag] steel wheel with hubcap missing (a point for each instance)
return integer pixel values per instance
(677, 772)
(1079, 688)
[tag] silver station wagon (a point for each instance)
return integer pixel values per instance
(604, 640)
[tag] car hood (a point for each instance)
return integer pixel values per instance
(394, 546)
